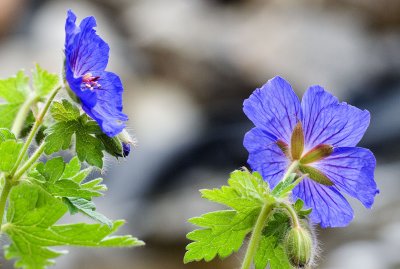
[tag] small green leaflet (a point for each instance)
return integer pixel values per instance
(86, 207)
(43, 81)
(66, 180)
(9, 149)
(224, 231)
(283, 188)
(14, 91)
(69, 122)
(31, 216)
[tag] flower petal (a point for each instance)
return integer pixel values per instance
(108, 109)
(352, 170)
(265, 156)
(85, 51)
(329, 207)
(326, 121)
(275, 108)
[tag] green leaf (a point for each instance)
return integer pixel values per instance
(64, 111)
(66, 180)
(6, 134)
(88, 208)
(246, 191)
(14, 91)
(299, 207)
(223, 232)
(9, 151)
(30, 226)
(271, 250)
(43, 81)
(284, 186)
(69, 123)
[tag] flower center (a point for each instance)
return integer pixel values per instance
(296, 153)
(90, 82)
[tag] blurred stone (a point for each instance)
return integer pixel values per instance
(11, 15)
(330, 47)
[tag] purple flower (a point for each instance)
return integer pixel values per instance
(86, 59)
(321, 135)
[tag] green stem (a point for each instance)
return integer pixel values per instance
(22, 114)
(256, 234)
(29, 163)
(292, 214)
(34, 130)
(293, 166)
(3, 198)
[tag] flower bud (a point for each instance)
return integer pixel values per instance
(126, 138)
(299, 247)
(112, 145)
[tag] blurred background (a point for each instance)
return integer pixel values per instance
(187, 66)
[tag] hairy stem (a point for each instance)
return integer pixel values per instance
(22, 114)
(29, 163)
(292, 214)
(293, 166)
(256, 234)
(12, 178)
(3, 197)
(34, 130)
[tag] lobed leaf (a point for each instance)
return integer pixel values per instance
(65, 180)
(30, 225)
(70, 123)
(43, 81)
(14, 91)
(223, 232)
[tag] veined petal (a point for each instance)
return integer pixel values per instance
(84, 49)
(265, 156)
(351, 169)
(329, 207)
(275, 108)
(108, 109)
(326, 121)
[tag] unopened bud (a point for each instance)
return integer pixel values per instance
(126, 148)
(112, 145)
(125, 137)
(299, 247)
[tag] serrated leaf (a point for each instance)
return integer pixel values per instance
(271, 250)
(58, 179)
(30, 218)
(224, 231)
(6, 134)
(14, 91)
(246, 191)
(224, 234)
(69, 123)
(9, 151)
(88, 208)
(64, 111)
(43, 81)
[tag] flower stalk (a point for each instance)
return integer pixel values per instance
(256, 234)
(12, 178)
(22, 114)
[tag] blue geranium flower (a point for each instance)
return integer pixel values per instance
(86, 59)
(320, 134)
